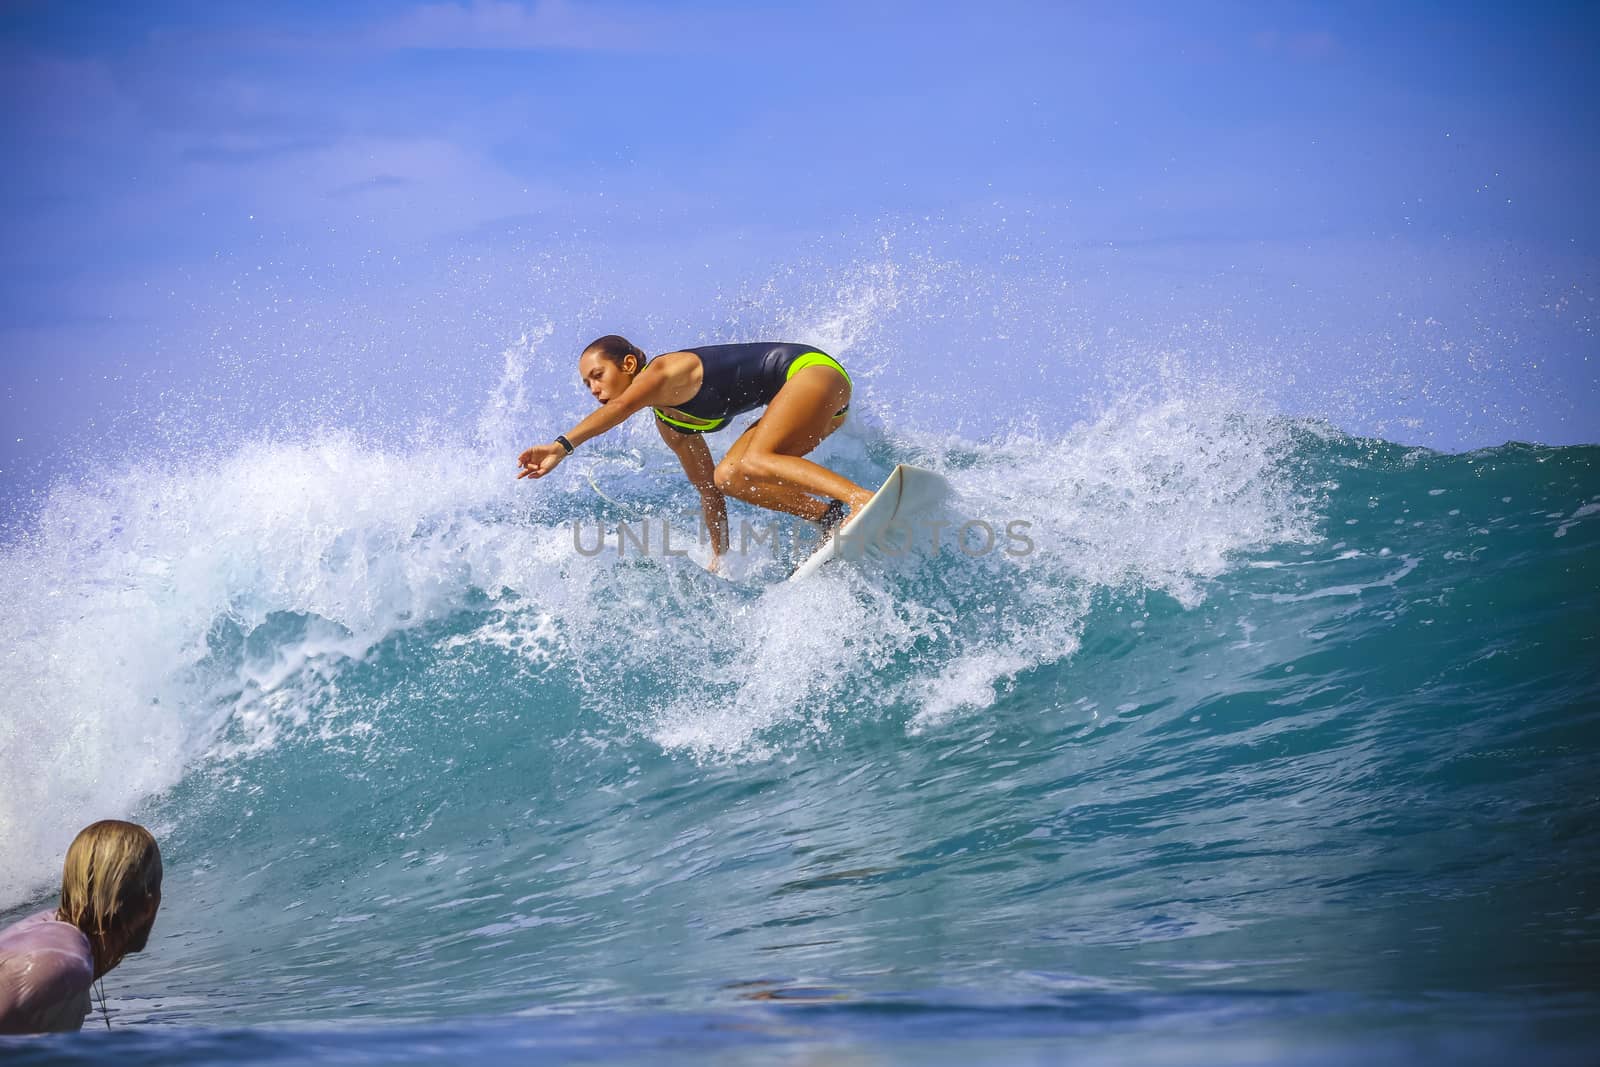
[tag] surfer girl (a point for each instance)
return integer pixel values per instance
(696, 391)
(110, 893)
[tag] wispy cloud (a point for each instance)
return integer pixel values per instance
(1313, 44)
(506, 25)
(369, 185)
(400, 188)
(244, 148)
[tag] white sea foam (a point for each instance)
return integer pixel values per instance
(1154, 495)
(117, 588)
(121, 587)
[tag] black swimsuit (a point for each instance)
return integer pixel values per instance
(737, 378)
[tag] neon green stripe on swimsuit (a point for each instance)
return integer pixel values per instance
(688, 423)
(815, 359)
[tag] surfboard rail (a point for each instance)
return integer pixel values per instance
(907, 491)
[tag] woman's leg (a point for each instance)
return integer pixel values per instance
(776, 498)
(764, 467)
(768, 495)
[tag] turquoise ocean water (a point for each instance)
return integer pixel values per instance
(1277, 745)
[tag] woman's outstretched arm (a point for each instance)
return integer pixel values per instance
(645, 391)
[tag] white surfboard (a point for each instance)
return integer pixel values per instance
(882, 523)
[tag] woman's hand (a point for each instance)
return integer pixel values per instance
(540, 460)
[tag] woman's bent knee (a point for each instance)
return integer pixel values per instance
(757, 466)
(734, 476)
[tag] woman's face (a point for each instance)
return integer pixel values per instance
(604, 378)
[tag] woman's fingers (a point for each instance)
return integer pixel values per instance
(540, 460)
(536, 462)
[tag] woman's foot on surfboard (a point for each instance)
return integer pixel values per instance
(828, 525)
(832, 519)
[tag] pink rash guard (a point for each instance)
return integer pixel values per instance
(46, 968)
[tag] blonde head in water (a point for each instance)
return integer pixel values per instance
(111, 889)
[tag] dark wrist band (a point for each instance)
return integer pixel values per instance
(561, 439)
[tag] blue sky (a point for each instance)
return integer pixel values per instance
(419, 182)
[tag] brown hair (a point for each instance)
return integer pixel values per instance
(113, 868)
(616, 348)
